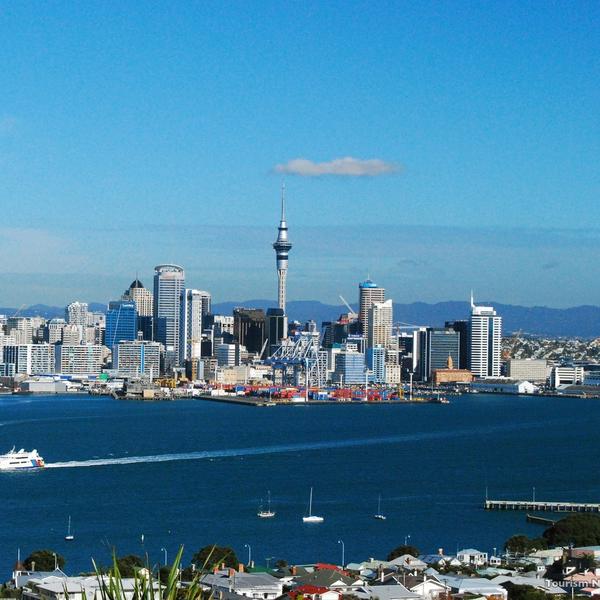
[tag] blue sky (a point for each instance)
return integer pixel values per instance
(132, 135)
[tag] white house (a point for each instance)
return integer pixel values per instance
(472, 557)
(250, 585)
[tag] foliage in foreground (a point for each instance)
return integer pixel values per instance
(147, 586)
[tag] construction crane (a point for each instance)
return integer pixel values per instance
(351, 311)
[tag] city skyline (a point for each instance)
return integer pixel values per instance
(463, 138)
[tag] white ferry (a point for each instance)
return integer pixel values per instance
(14, 461)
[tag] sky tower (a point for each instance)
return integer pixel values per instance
(282, 246)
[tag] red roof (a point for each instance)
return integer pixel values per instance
(311, 589)
(327, 566)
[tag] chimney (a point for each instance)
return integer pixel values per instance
(241, 567)
(215, 570)
(231, 572)
(294, 571)
(222, 566)
(441, 551)
(381, 575)
(33, 565)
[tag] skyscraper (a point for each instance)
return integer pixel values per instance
(249, 328)
(368, 293)
(141, 296)
(193, 303)
(486, 338)
(282, 246)
(169, 282)
(380, 324)
(121, 323)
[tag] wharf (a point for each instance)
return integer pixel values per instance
(258, 401)
(536, 505)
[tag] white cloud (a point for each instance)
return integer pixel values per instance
(343, 167)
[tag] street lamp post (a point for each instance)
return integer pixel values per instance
(269, 559)
(55, 561)
(343, 552)
(165, 551)
(406, 538)
(249, 553)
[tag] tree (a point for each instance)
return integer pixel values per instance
(44, 560)
(521, 544)
(579, 530)
(523, 592)
(281, 563)
(128, 565)
(213, 556)
(401, 550)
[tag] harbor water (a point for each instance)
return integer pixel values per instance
(140, 477)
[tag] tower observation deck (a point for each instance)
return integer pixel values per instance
(282, 246)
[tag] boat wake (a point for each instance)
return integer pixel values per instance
(291, 448)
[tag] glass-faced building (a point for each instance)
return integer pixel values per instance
(121, 322)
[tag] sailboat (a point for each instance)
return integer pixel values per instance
(378, 515)
(266, 514)
(312, 518)
(69, 537)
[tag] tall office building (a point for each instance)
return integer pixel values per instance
(380, 324)
(141, 296)
(462, 328)
(276, 328)
(169, 283)
(249, 328)
(192, 312)
(486, 338)
(436, 345)
(282, 246)
(121, 323)
(368, 294)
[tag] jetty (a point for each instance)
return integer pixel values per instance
(539, 506)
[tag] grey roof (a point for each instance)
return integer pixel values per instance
(324, 578)
(252, 580)
(386, 592)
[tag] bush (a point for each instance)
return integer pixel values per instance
(401, 550)
(44, 560)
(213, 556)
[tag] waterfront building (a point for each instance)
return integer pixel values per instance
(193, 306)
(78, 360)
(169, 283)
(249, 328)
(349, 368)
(53, 330)
(368, 294)
(376, 363)
(121, 323)
(566, 375)
(435, 346)
(30, 359)
(136, 358)
(276, 323)
(141, 296)
(531, 369)
(504, 385)
(485, 341)
(282, 247)
(379, 325)
(393, 374)
(451, 375)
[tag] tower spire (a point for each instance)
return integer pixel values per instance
(282, 246)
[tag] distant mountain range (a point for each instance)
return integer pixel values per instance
(579, 321)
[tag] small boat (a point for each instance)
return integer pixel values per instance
(311, 518)
(266, 514)
(378, 514)
(69, 537)
(22, 459)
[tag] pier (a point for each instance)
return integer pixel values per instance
(537, 505)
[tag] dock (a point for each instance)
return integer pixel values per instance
(539, 506)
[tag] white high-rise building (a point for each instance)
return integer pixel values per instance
(368, 294)
(137, 358)
(76, 313)
(380, 324)
(486, 341)
(193, 305)
(169, 283)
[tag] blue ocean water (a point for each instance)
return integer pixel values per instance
(194, 472)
